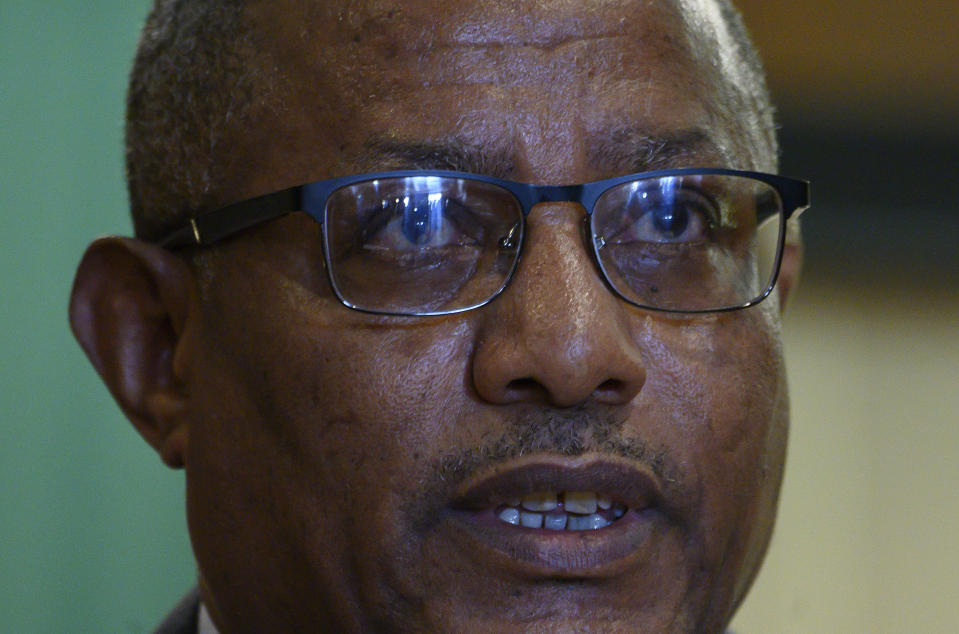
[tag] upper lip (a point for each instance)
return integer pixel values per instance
(623, 482)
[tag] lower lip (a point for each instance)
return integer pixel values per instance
(540, 552)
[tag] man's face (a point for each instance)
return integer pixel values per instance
(346, 470)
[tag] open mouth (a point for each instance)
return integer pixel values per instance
(585, 495)
(554, 517)
(563, 511)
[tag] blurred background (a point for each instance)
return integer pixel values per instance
(868, 94)
(92, 534)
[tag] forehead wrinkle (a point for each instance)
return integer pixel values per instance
(521, 65)
(574, 60)
(540, 27)
(471, 37)
(535, 23)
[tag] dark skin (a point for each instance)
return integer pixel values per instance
(327, 452)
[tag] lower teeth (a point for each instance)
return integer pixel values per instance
(555, 522)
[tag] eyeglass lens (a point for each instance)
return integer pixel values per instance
(434, 244)
(689, 243)
(421, 244)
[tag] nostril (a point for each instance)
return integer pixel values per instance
(612, 391)
(525, 385)
(618, 391)
(610, 385)
(526, 389)
(529, 389)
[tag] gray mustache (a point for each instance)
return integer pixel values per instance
(569, 433)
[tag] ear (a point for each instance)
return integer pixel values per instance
(130, 309)
(791, 264)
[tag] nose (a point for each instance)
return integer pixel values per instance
(557, 334)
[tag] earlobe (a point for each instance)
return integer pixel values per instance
(130, 310)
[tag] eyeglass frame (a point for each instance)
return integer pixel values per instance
(212, 226)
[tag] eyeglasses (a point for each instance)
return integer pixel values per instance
(437, 242)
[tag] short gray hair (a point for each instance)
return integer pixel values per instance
(188, 87)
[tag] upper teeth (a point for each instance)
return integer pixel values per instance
(570, 510)
(583, 502)
(542, 501)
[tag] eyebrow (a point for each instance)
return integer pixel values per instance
(455, 154)
(623, 151)
(637, 150)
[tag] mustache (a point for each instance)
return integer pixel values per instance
(573, 432)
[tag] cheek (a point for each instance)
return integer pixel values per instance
(717, 386)
(330, 428)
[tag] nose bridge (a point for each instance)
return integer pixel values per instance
(556, 277)
(557, 331)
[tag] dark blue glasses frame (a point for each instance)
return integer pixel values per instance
(213, 226)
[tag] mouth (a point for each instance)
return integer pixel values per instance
(559, 517)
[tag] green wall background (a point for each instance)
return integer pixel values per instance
(92, 536)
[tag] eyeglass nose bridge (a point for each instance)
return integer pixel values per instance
(538, 194)
(533, 195)
(517, 238)
(553, 194)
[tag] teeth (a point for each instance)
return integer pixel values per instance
(540, 501)
(568, 510)
(586, 522)
(510, 516)
(582, 502)
(555, 521)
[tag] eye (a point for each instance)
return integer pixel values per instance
(665, 215)
(411, 222)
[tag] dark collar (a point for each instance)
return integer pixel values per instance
(183, 618)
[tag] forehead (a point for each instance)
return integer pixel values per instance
(529, 80)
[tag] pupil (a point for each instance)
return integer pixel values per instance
(670, 221)
(416, 218)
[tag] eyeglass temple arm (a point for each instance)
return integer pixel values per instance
(797, 192)
(215, 225)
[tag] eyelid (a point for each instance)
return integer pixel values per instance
(710, 205)
(372, 220)
(466, 216)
